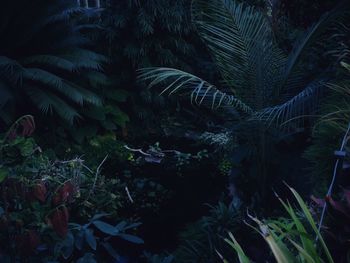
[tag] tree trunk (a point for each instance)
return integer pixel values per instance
(97, 3)
(78, 3)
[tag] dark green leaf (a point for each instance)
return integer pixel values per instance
(90, 238)
(79, 239)
(131, 238)
(106, 228)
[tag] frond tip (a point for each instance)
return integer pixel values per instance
(201, 92)
(296, 107)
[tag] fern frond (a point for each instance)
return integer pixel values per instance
(50, 61)
(84, 58)
(47, 102)
(11, 70)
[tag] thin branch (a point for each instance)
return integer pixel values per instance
(128, 194)
(96, 176)
(137, 150)
(147, 154)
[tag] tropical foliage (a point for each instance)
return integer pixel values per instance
(262, 86)
(45, 63)
(96, 167)
(260, 77)
(46, 207)
(289, 239)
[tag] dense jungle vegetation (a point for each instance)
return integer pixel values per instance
(184, 131)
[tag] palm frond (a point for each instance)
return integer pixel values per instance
(11, 70)
(305, 101)
(239, 38)
(69, 89)
(84, 58)
(98, 79)
(87, 95)
(293, 74)
(201, 92)
(50, 61)
(47, 102)
(51, 80)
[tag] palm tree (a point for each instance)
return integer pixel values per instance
(260, 82)
(259, 79)
(46, 63)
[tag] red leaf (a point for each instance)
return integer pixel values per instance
(67, 191)
(64, 194)
(56, 199)
(40, 191)
(28, 127)
(59, 221)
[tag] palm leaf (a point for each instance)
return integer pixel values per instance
(53, 81)
(11, 70)
(238, 36)
(48, 102)
(50, 61)
(84, 58)
(200, 91)
(293, 75)
(306, 101)
(87, 95)
(69, 89)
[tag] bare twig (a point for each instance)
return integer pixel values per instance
(96, 176)
(137, 150)
(148, 154)
(128, 193)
